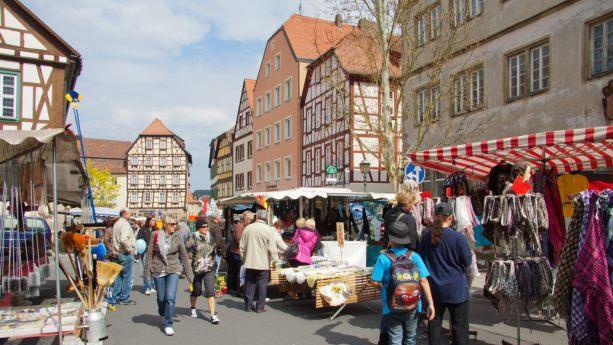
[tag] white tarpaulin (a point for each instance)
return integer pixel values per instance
(353, 252)
(294, 194)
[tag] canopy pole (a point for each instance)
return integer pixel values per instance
(58, 291)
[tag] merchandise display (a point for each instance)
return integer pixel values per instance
(38, 321)
(322, 268)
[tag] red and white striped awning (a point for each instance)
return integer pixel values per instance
(565, 151)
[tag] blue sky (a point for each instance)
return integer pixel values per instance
(180, 60)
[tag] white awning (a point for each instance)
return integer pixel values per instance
(294, 194)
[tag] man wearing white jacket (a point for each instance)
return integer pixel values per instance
(124, 244)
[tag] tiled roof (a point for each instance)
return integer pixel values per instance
(157, 127)
(311, 37)
(107, 154)
(250, 85)
(359, 54)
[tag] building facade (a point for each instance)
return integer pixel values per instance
(158, 172)
(220, 163)
(526, 67)
(37, 67)
(341, 106)
(280, 80)
(110, 155)
(242, 142)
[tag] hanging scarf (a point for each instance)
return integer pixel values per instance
(163, 243)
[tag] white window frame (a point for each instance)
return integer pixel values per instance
(162, 180)
(477, 88)
(435, 23)
(258, 139)
(258, 173)
(277, 95)
(460, 86)
(176, 180)
(287, 85)
(267, 135)
(163, 143)
(277, 61)
(249, 148)
(148, 144)
(133, 197)
(514, 70)
(163, 161)
(10, 112)
(148, 161)
(539, 68)
(287, 127)
(162, 197)
(421, 105)
(287, 167)
(475, 8)
(148, 179)
(249, 180)
(134, 179)
(277, 169)
(267, 101)
(459, 12)
(147, 198)
(277, 132)
(267, 69)
(267, 171)
(421, 29)
(601, 53)
(258, 107)
(134, 160)
(435, 97)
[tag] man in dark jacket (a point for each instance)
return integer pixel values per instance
(401, 212)
(217, 235)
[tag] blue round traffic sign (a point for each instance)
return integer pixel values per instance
(414, 172)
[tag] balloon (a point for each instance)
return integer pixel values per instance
(141, 246)
(99, 251)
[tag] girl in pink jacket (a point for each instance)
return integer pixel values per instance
(307, 238)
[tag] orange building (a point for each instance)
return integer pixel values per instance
(276, 122)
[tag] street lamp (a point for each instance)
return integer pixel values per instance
(365, 169)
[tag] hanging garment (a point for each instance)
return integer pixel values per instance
(498, 177)
(592, 280)
(570, 184)
(556, 228)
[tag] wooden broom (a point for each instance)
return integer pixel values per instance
(106, 272)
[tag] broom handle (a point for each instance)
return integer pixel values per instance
(90, 283)
(76, 289)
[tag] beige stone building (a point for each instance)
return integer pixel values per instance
(527, 67)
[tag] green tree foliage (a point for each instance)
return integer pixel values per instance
(104, 186)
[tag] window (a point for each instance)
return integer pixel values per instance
(267, 68)
(459, 12)
(249, 149)
(267, 171)
(134, 160)
(163, 161)
(177, 161)
(176, 180)
(476, 88)
(258, 107)
(428, 103)
(133, 197)
(162, 197)
(421, 29)
(277, 170)
(277, 95)
(267, 101)
(277, 132)
(249, 179)
(340, 101)
(309, 164)
(162, 180)
(317, 161)
(148, 161)
(459, 94)
(476, 6)
(288, 89)
(601, 47)
(10, 89)
(539, 67)
(428, 24)
(328, 111)
(175, 197)
(237, 182)
(317, 115)
(528, 71)
(288, 127)
(163, 143)
(258, 173)
(133, 179)
(340, 154)
(147, 197)
(258, 140)
(468, 90)
(267, 136)
(307, 120)
(287, 167)
(277, 62)
(148, 179)
(435, 21)
(148, 144)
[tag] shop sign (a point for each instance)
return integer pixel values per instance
(331, 169)
(414, 172)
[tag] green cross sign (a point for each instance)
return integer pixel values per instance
(331, 169)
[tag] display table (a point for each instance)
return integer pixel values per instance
(28, 322)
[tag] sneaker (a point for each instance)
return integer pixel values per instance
(194, 313)
(127, 302)
(169, 331)
(214, 319)
(153, 290)
(148, 292)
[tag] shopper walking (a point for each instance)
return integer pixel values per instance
(216, 231)
(165, 257)
(307, 238)
(145, 234)
(259, 253)
(124, 246)
(234, 254)
(401, 272)
(447, 256)
(201, 248)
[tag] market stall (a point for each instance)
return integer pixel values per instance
(35, 167)
(522, 215)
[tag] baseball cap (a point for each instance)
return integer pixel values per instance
(201, 222)
(443, 209)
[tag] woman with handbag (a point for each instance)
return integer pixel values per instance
(303, 243)
(165, 258)
(201, 250)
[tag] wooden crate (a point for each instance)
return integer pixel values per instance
(350, 280)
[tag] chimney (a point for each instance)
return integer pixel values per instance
(338, 20)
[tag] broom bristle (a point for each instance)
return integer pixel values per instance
(106, 272)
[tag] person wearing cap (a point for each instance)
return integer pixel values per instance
(201, 248)
(401, 327)
(447, 256)
(124, 245)
(401, 212)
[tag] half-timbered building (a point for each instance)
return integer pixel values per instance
(158, 172)
(341, 107)
(220, 163)
(242, 143)
(37, 67)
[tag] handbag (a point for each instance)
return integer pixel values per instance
(292, 249)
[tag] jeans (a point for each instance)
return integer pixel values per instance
(458, 320)
(166, 295)
(234, 271)
(401, 328)
(147, 283)
(218, 263)
(123, 284)
(255, 278)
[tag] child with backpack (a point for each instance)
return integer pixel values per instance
(402, 276)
